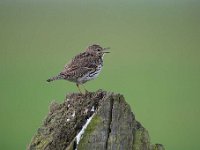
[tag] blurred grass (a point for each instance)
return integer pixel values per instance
(154, 62)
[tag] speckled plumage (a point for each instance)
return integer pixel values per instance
(84, 66)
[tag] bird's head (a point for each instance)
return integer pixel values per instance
(97, 49)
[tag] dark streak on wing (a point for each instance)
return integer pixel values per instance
(80, 65)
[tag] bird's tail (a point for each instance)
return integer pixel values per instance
(55, 78)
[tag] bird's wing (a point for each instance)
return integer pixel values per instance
(80, 65)
(75, 72)
(79, 59)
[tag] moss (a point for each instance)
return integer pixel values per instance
(39, 142)
(154, 147)
(141, 139)
(157, 147)
(89, 130)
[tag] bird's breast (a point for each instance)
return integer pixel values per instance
(95, 73)
(91, 75)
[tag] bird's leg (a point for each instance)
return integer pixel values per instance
(86, 91)
(79, 88)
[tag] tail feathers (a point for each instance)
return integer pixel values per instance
(55, 78)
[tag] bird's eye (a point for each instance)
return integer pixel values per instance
(98, 49)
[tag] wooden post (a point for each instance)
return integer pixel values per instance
(112, 125)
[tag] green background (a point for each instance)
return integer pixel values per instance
(154, 62)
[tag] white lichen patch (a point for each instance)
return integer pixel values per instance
(92, 108)
(86, 110)
(79, 135)
(73, 115)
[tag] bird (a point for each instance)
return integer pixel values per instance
(83, 67)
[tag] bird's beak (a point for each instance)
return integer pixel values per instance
(105, 50)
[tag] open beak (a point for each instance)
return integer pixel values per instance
(105, 50)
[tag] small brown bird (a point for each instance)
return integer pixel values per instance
(84, 66)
